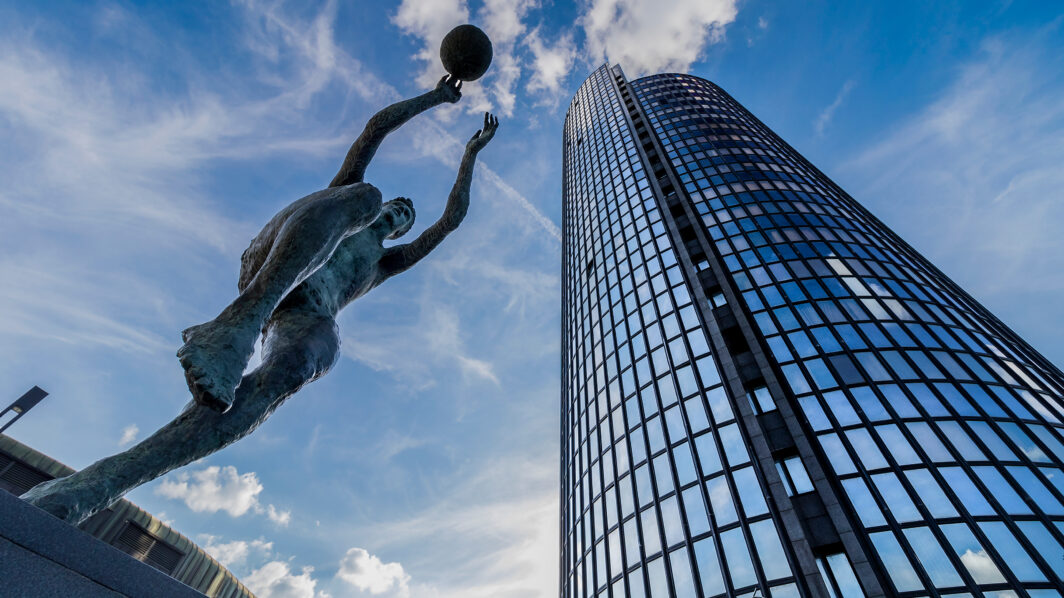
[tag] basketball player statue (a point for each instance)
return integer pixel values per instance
(313, 258)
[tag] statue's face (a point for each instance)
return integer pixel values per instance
(398, 215)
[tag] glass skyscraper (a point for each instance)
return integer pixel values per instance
(766, 392)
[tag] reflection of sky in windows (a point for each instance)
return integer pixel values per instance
(929, 410)
(657, 479)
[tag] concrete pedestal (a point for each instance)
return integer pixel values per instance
(41, 556)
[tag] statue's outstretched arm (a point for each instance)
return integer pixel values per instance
(401, 257)
(388, 120)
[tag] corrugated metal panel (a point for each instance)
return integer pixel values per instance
(155, 543)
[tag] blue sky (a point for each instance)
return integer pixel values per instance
(145, 144)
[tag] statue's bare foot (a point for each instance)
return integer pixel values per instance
(214, 357)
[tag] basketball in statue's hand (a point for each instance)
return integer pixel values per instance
(466, 52)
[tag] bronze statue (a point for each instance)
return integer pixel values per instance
(313, 258)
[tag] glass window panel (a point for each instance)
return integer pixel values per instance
(708, 456)
(822, 377)
(988, 404)
(639, 451)
(993, 441)
(895, 562)
(769, 550)
(644, 488)
(750, 495)
(1049, 439)
(930, 554)
(964, 444)
(685, 465)
(814, 414)
(695, 507)
(957, 400)
(737, 555)
(1036, 489)
(625, 493)
(799, 476)
(969, 495)
(866, 449)
(659, 581)
(709, 567)
(1027, 446)
(1044, 544)
(1012, 553)
(840, 407)
(1001, 490)
(655, 435)
(720, 501)
(719, 404)
(926, 439)
(928, 400)
(869, 403)
(651, 540)
(897, 444)
(863, 502)
(896, 498)
(847, 371)
(930, 493)
(734, 447)
(681, 574)
(663, 474)
(972, 554)
(631, 542)
(674, 423)
(897, 399)
(671, 521)
(836, 453)
(696, 414)
(785, 591)
(844, 576)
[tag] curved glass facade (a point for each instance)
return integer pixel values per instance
(766, 392)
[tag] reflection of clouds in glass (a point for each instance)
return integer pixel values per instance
(1035, 454)
(983, 569)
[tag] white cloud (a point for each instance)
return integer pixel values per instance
(551, 64)
(129, 434)
(231, 554)
(369, 574)
(276, 580)
(981, 567)
(220, 489)
(430, 21)
(504, 23)
(824, 119)
(651, 36)
(278, 516)
(214, 489)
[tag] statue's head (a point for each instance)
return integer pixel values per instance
(397, 215)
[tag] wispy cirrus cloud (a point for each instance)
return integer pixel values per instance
(982, 161)
(828, 113)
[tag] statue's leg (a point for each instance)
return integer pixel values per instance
(299, 349)
(216, 353)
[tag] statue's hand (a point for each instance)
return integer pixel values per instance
(483, 136)
(449, 88)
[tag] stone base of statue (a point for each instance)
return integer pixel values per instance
(41, 556)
